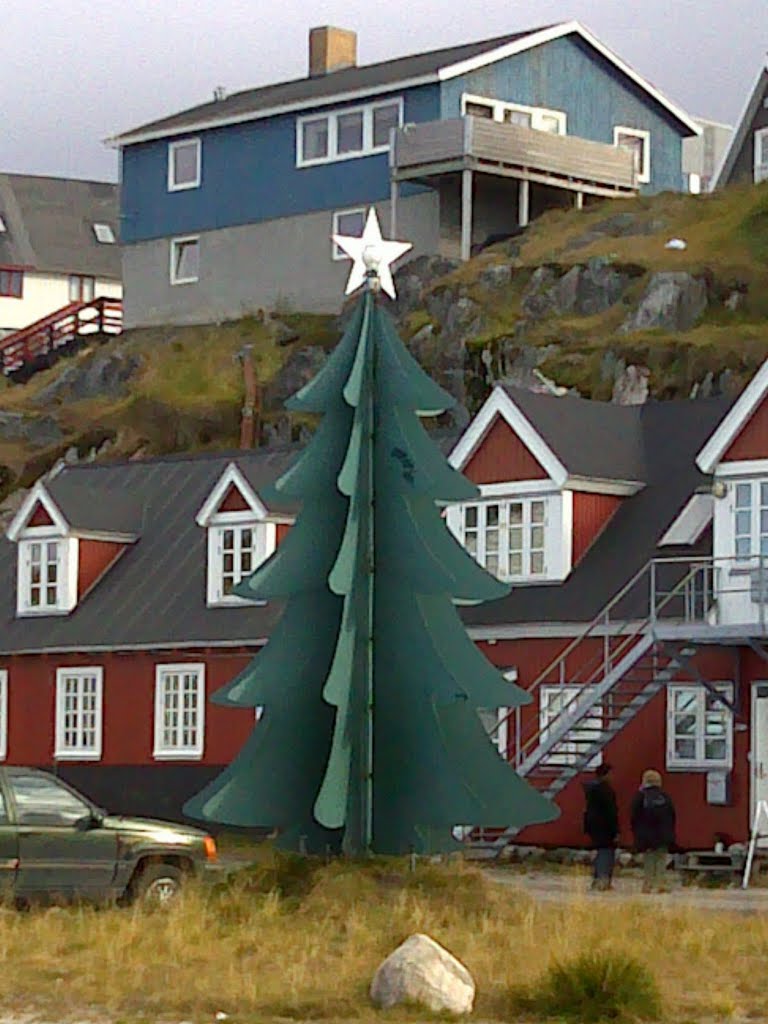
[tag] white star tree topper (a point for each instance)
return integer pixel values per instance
(372, 256)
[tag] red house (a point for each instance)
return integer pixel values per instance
(635, 539)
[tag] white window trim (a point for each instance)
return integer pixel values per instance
(80, 753)
(218, 523)
(677, 764)
(195, 753)
(3, 713)
(589, 724)
(172, 259)
(333, 156)
(644, 174)
(67, 577)
(558, 529)
(336, 251)
(760, 166)
(180, 144)
(500, 106)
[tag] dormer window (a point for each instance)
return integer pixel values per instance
(240, 535)
(44, 583)
(520, 538)
(235, 549)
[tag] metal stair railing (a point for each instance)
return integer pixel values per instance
(625, 645)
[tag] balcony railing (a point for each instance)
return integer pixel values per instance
(469, 143)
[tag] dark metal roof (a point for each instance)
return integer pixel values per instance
(155, 594)
(591, 439)
(306, 91)
(672, 434)
(49, 225)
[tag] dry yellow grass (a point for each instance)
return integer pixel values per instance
(262, 957)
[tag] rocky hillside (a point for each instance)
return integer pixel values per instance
(627, 300)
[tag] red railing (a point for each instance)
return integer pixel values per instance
(34, 347)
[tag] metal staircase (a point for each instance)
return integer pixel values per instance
(599, 684)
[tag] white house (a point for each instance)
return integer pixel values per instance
(58, 245)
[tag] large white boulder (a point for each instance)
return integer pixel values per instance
(421, 971)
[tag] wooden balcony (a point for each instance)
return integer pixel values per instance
(435, 148)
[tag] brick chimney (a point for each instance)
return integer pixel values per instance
(331, 49)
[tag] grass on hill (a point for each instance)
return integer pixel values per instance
(296, 942)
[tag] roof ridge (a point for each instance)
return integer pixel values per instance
(168, 457)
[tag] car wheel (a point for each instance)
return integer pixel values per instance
(158, 885)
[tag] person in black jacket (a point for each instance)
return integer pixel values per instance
(653, 825)
(601, 824)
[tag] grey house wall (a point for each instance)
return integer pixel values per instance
(285, 263)
(744, 164)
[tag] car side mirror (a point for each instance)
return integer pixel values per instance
(87, 822)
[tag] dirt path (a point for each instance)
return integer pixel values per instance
(554, 888)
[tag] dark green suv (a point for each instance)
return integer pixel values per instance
(56, 844)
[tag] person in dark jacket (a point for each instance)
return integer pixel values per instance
(601, 824)
(653, 825)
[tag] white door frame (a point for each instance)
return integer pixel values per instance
(753, 797)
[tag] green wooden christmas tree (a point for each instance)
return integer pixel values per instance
(371, 739)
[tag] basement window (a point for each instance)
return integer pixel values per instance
(185, 260)
(350, 223)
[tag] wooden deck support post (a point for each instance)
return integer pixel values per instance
(579, 201)
(466, 214)
(524, 203)
(394, 190)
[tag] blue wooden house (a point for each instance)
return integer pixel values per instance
(229, 206)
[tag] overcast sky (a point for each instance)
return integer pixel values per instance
(74, 72)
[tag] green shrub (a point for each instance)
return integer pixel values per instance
(598, 986)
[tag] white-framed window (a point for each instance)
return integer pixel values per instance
(541, 119)
(761, 155)
(3, 714)
(184, 164)
(47, 574)
(508, 537)
(104, 234)
(347, 222)
(638, 142)
(750, 519)
(699, 727)
(179, 712)
(79, 710)
(185, 260)
(237, 546)
(350, 132)
(81, 288)
(494, 721)
(553, 704)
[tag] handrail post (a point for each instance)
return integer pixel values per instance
(652, 615)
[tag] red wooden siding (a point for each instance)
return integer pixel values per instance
(233, 501)
(39, 516)
(282, 530)
(591, 515)
(96, 556)
(501, 456)
(641, 745)
(752, 440)
(128, 703)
